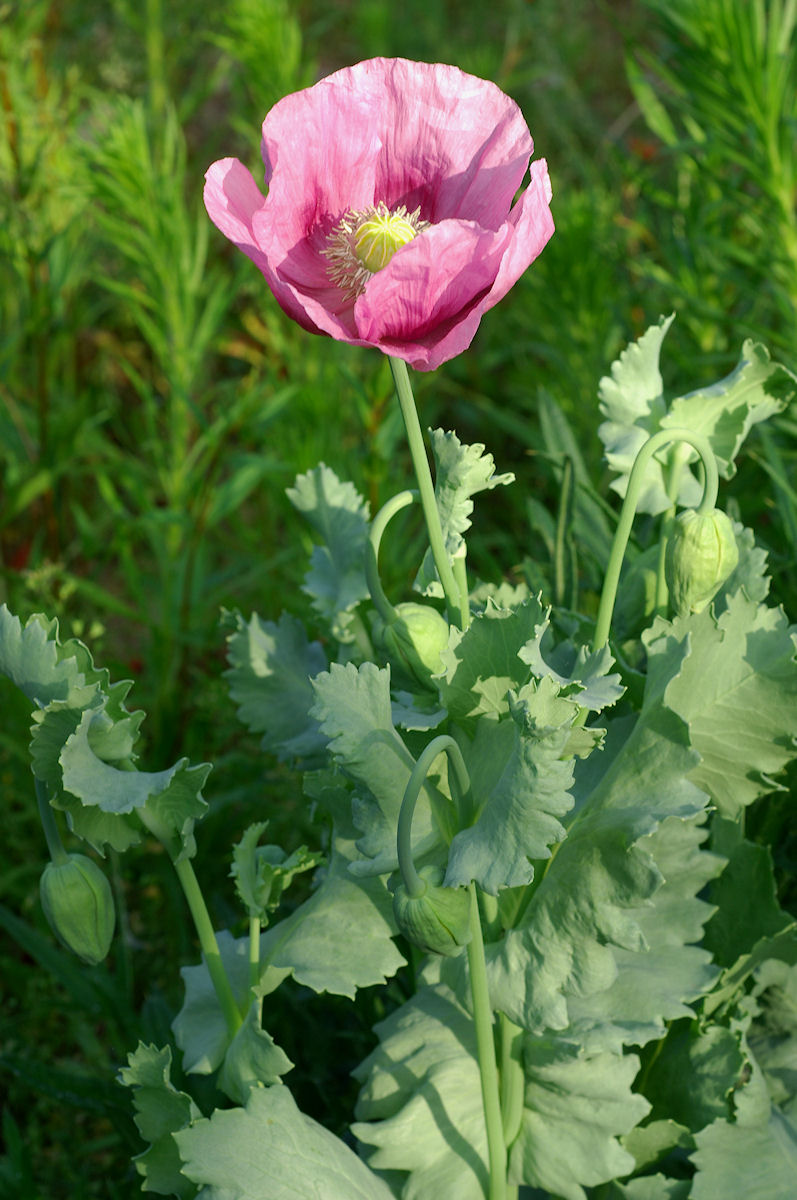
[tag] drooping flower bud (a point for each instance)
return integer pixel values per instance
(438, 921)
(701, 554)
(415, 641)
(78, 904)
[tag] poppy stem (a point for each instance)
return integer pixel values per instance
(423, 474)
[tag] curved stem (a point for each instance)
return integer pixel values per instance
(412, 881)
(513, 1080)
(47, 817)
(628, 511)
(380, 522)
(420, 462)
(485, 1049)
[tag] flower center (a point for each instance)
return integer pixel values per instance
(364, 241)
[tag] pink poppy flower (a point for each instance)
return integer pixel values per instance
(389, 220)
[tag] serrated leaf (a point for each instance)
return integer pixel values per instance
(420, 1105)
(726, 411)
(253, 1059)
(587, 900)
(30, 658)
(632, 401)
(340, 938)
(160, 1112)
(482, 664)
(746, 1160)
(336, 578)
(200, 1028)
(271, 1149)
(519, 819)
(173, 795)
(461, 472)
(271, 666)
(577, 670)
(650, 1187)
(656, 983)
(736, 691)
(653, 1141)
(262, 873)
(772, 1036)
(354, 709)
(576, 1106)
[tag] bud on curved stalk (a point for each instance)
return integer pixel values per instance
(701, 554)
(414, 641)
(438, 920)
(77, 901)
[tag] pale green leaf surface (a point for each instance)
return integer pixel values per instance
(175, 792)
(656, 982)
(772, 1036)
(199, 1028)
(782, 946)
(519, 820)
(30, 657)
(593, 887)
(482, 664)
(336, 578)
(576, 1106)
(271, 1151)
(271, 665)
(737, 691)
(354, 708)
(461, 472)
(746, 1160)
(340, 938)
(253, 1059)
(262, 873)
(726, 411)
(160, 1110)
(420, 1105)
(632, 403)
(651, 1142)
(584, 673)
(750, 573)
(651, 1187)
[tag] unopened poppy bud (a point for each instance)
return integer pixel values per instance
(701, 554)
(78, 904)
(415, 640)
(438, 921)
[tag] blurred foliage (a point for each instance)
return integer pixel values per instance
(155, 403)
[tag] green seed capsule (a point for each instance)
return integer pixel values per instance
(701, 554)
(415, 641)
(437, 921)
(77, 901)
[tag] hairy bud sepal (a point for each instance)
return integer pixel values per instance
(414, 641)
(701, 554)
(78, 904)
(437, 921)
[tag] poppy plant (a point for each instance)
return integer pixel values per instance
(389, 219)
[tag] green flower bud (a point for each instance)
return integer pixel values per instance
(415, 641)
(77, 901)
(701, 554)
(437, 921)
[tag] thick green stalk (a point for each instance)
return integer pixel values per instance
(485, 1048)
(426, 488)
(513, 1079)
(461, 576)
(254, 950)
(628, 511)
